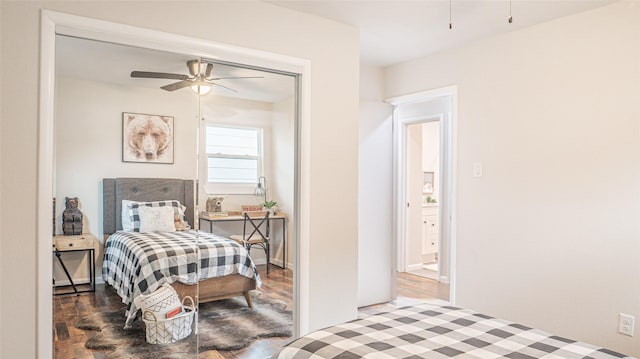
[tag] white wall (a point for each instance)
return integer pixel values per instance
(89, 148)
(332, 49)
(375, 192)
(549, 235)
(89, 141)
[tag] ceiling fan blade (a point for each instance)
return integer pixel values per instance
(224, 87)
(235, 78)
(158, 75)
(208, 71)
(177, 85)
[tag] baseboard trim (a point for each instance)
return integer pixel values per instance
(78, 281)
(278, 262)
(411, 267)
(274, 261)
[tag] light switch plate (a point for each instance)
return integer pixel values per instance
(477, 169)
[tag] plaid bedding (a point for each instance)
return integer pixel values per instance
(431, 331)
(139, 263)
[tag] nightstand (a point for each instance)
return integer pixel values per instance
(84, 243)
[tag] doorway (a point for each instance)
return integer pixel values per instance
(423, 195)
(424, 192)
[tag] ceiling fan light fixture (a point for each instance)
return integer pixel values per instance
(201, 80)
(201, 89)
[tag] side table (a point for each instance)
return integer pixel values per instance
(85, 243)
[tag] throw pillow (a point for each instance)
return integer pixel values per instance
(156, 219)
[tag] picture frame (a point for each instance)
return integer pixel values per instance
(427, 186)
(147, 138)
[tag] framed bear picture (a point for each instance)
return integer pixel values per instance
(147, 138)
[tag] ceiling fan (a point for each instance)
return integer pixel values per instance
(201, 79)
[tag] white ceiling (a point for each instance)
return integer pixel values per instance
(390, 32)
(111, 63)
(397, 31)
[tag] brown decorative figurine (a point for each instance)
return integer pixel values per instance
(71, 217)
(214, 204)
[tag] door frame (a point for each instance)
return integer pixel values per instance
(55, 23)
(448, 161)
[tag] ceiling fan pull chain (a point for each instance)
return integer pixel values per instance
(450, 21)
(510, 17)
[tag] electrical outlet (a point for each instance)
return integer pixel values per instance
(626, 324)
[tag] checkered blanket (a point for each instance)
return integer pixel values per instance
(139, 263)
(430, 331)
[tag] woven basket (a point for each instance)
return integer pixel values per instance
(166, 331)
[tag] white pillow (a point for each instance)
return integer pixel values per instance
(156, 219)
(127, 224)
(179, 215)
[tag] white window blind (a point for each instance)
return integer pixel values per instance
(234, 154)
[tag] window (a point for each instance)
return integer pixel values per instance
(234, 154)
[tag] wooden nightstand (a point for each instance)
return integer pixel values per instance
(81, 243)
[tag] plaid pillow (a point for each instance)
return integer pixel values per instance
(134, 216)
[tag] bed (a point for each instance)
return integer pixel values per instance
(129, 259)
(436, 331)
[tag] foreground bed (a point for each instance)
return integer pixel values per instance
(432, 331)
(128, 272)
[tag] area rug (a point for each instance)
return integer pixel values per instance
(223, 325)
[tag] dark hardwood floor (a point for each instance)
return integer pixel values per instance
(69, 341)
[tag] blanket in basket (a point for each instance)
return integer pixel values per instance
(139, 263)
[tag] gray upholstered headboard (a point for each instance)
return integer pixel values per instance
(114, 190)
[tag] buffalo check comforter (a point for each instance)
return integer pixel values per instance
(139, 263)
(432, 331)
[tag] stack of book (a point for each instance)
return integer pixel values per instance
(211, 215)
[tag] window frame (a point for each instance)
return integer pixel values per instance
(259, 157)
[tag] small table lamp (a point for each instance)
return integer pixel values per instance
(261, 188)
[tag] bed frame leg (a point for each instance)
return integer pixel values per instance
(247, 296)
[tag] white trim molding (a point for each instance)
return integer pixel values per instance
(424, 95)
(448, 163)
(414, 267)
(44, 232)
